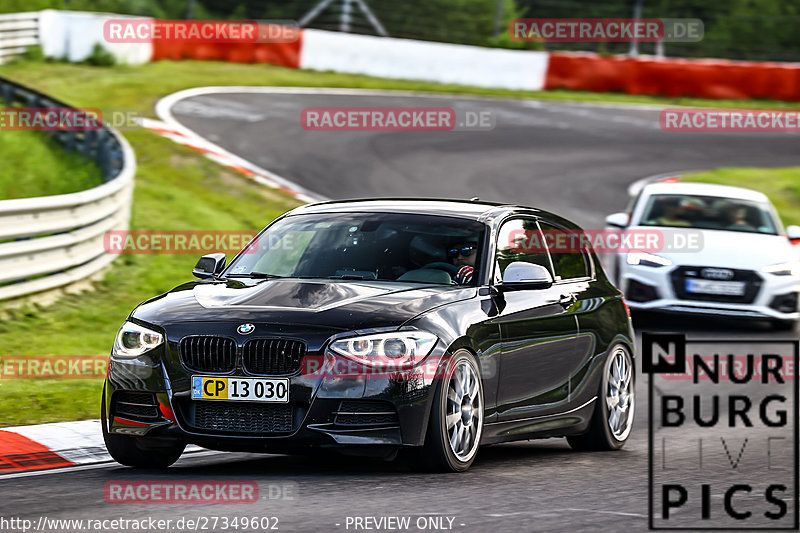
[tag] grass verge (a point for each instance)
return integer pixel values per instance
(36, 165)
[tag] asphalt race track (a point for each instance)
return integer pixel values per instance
(574, 159)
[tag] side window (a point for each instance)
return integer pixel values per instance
(519, 239)
(568, 261)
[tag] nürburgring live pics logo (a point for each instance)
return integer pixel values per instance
(723, 435)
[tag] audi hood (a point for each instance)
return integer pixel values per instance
(733, 249)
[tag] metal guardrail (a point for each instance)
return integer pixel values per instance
(51, 241)
(18, 31)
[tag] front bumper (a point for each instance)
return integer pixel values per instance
(654, 288)
(329, 411)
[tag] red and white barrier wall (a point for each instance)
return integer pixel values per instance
(701, 78)
(73, 34)
(420, 60)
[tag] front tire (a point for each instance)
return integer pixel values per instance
(612, 419)
(134, 451)
(456, 422)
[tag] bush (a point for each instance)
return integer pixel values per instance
(100, 57)
(504, 40)
(34, 53)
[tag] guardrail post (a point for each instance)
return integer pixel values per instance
(8, 93)
(84, 142)
(105, 159)
(32, 100)
(68, 138)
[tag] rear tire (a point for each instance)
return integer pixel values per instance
(456, 421)
(135, 451)
(616, 397)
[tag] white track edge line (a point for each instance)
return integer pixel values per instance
(163, 109)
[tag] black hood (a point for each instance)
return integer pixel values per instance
(345, 305)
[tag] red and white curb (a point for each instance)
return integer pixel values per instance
(57, 445)
(188, 138)
(51, 445)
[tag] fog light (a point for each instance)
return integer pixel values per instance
(640, 292)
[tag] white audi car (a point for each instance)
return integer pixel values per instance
(723, 252)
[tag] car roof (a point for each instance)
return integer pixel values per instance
(704, 189)
(471, 209)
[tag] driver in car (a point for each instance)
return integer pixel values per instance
(463, 256)
(736, 217)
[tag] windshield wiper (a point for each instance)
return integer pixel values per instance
(256, 275)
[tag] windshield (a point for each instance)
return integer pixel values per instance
(708, 212)
(366, 246)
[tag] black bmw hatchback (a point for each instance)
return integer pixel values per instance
(375, 326)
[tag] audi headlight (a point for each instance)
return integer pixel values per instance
(645, 259)
(133, 339)
(401, 348)
(783, 269)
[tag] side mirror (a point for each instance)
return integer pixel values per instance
(793, 233)
(520, 276)
(209, 265)
(618, 220)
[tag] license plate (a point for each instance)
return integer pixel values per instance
(725, 288)
(240, 389)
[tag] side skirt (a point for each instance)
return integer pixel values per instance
(572, 422)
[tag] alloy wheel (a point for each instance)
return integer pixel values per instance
(620, 394)
(464, 411)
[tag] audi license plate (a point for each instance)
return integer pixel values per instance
(244, 389)
(724, 288)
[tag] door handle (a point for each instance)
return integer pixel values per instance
(567, 300)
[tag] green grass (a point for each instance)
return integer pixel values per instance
(36, 165)
(27, 401)
(176, 189)
(781, 185)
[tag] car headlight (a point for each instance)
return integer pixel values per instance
(401, 348)
(645, 259)
(133, 339)
(783, 269)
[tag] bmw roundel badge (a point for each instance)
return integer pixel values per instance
(246, 329)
